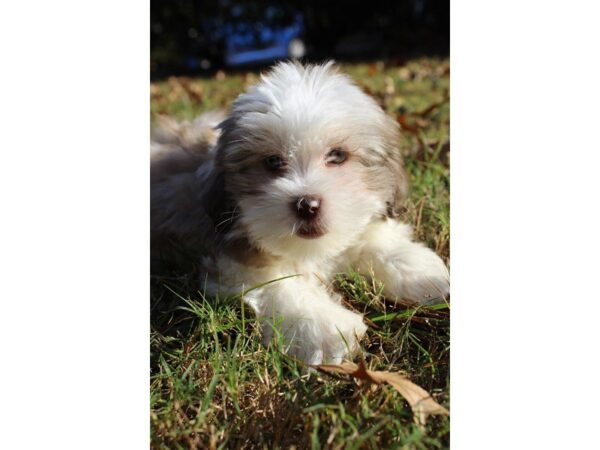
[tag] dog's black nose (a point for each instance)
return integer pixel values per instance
(307, 207)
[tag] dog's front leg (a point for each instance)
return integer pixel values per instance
(409, 271)
(314, 327)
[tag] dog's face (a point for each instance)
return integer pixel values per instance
(310, 161)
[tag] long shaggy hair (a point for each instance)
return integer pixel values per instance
(303, 177)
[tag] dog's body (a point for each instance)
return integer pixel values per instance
(304, 177)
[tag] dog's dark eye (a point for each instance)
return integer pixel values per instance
(274, 163)
(336, 156)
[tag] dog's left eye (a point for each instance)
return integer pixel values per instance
(274, 163)
(336, 156)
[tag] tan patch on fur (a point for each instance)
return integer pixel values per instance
(243, 252)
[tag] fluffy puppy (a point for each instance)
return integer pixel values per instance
(300, 181)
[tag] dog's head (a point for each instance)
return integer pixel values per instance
(310, 160)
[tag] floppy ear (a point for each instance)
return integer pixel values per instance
(219, 205)
(190, 215)
(398, 178)
(187, 204)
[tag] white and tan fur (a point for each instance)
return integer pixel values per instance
(216, 200)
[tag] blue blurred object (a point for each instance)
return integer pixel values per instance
(268, 39)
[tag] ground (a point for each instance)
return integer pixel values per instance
(214, 386)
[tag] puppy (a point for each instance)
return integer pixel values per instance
(302, 179)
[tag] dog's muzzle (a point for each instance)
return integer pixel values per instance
(308, 209)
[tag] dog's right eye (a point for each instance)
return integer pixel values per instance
(274, 163)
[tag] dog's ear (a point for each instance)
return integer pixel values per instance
(398, 177)
(219, 205)
(193, 208)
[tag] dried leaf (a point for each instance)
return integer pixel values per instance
(412, 126)
(420, 401)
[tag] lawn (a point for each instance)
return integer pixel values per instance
(214, 386)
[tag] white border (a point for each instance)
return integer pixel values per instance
(525, 223)
(74, 181)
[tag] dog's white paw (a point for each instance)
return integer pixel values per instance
(313, 327)
(325, 339)
(415, 276)
(410, 272)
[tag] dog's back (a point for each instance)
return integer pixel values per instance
(178, 152)
(181, 147)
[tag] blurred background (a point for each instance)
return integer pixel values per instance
(203, 36)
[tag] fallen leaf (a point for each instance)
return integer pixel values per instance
(420, 401)
(412, 126)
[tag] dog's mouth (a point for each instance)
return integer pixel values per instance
(310, 231)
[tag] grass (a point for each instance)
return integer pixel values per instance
(213, 386)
